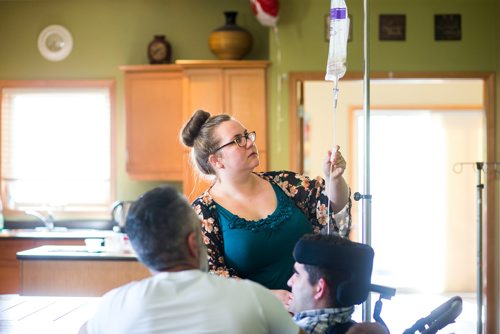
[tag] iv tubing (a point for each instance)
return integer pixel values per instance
(335, 99)
(334, 149)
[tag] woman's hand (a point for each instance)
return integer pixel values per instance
(284, 296)
(338, 162)
(335, 185)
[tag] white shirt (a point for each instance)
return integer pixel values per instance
(191, 302)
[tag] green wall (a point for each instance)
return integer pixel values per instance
(111, 33)
(302, 45)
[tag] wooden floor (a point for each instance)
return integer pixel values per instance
(23, 314)
(33, 314)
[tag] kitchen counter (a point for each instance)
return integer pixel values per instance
(74, 253)
(57, 252)
(58, 270)
(57, 233)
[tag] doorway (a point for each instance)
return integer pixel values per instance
(415, 108)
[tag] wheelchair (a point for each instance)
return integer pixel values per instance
(356, 261)
(440, 317)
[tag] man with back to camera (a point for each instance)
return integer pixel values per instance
(331, 275)
(180, 296)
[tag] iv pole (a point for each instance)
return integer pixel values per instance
(479, 283)
(479, 230)
(366, 204)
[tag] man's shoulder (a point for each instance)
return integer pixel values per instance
(241, 286)
(233, 282)
(131, 287)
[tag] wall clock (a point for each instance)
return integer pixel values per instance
(55, 43)
(159, 50)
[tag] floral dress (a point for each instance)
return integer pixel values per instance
(307, 194)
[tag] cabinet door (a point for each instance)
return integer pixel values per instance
(203, 90)
(154, 117)
(245, 99)
(9, 265)
(240, 92)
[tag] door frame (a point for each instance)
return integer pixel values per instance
(490, 239)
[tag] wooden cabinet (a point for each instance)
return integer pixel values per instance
(77, 277)
(153, 98)
(9, 265)
(237, 88)
(71, 271)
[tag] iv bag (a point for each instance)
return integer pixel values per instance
(339, 33)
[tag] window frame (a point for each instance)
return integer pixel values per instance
(110, 85)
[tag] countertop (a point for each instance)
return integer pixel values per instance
(57, 233)
(74, 253)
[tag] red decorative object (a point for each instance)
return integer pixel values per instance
(266, 11)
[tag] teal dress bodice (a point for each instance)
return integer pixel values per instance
(261, 250)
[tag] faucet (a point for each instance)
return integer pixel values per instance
(48, 221)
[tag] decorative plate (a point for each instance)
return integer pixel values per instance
(55, 43)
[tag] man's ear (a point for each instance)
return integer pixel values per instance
(321, 289)
(215, 161)
(192, 244)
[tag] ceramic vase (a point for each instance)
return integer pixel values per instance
(230, 42)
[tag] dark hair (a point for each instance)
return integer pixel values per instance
(332, 277)
(158, 224)
(198, 134)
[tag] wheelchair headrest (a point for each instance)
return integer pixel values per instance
(354, 259)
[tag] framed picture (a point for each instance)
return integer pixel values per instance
(447, 27)
(327, 28)
(392, 27)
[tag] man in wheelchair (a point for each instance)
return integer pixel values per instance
(331, 275)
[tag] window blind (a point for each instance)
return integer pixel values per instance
(56, 148)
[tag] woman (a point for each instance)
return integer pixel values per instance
(251, 221)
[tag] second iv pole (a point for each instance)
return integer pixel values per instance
(479, 166)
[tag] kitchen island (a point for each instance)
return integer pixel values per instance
(57, 270)
(15, 240)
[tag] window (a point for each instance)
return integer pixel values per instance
(56, 146)
(417, 194)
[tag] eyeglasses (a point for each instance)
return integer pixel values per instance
(240, 140)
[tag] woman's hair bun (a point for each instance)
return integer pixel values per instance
(192, 128)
